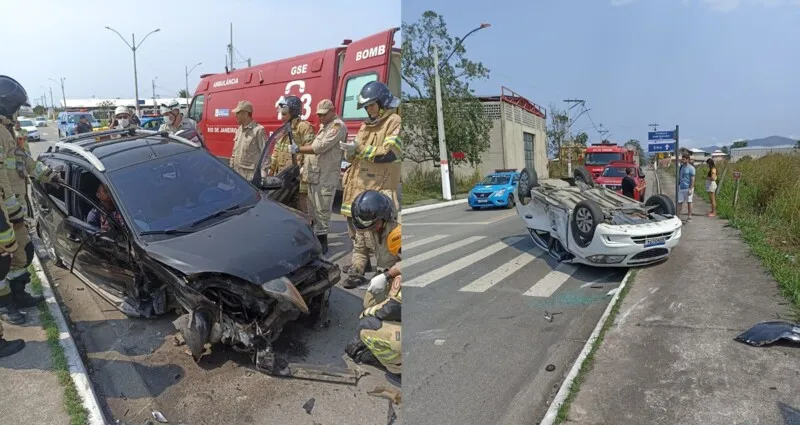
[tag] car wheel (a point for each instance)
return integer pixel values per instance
(48, 246)
(581, 174)
(511, 203)
(663, 204)
(528, 180)
(316, 309)
(585, 217)
(59, 133)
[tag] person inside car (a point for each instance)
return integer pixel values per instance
(96, 217)
(83, 125)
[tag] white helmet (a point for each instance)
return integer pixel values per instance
(174, 105)
(164, 110)
(121, 110)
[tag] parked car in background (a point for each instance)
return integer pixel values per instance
(68, 120)
(29, 125)
(613, 173)
(151, 123)
(40, 121)
(495, 190)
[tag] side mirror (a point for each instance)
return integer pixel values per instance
(271, 183)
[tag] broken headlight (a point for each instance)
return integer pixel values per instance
(283, 289)
(606, 259)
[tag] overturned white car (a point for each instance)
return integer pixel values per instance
(595, 226)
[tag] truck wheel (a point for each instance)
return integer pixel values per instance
(663, 204)
(582, 174)
(511, 204)
(527, 181)
(585, 218)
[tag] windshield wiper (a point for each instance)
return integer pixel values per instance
(234, 209)
(166, 232)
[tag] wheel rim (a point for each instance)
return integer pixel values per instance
(524, 187)
(584, 220)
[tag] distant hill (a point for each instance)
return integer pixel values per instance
(766, 142)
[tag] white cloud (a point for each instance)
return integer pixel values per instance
(618, 3)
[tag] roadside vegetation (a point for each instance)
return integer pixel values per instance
(420, 185)
(72, 400)
(766, 212)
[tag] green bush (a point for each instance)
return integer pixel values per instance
(767, 212)
(420, 185)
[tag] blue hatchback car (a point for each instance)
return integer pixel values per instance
(495, 190)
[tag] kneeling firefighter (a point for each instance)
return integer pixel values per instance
(379, 329)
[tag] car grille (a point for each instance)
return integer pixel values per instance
(641, 239)
(482, 195)
(650, 253)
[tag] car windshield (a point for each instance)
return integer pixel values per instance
(495, 180)
(175, 191)
(614, 172)
(72, 119)
(601, 158)
(26, 123)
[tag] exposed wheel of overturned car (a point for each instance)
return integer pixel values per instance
(527, 181)
(581, 174)
(663, 204)
(586, 215)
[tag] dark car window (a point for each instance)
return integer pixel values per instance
(57, 194)
(495, 180)
(174, 191)
(600, 158)
(614, 172)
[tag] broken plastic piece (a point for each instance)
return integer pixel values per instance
(390, 394)
(159, 417)
(769, 332)
(309, 406)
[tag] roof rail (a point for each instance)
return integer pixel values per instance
(95, 134)
(83, 153)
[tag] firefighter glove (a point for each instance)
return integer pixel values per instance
(378, 284)
(349, 147)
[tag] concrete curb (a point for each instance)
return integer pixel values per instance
(77, 369)
(437, 205)
(558, 400)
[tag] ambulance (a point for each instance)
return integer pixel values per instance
(338, 74)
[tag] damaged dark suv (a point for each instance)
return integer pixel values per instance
(153, 222)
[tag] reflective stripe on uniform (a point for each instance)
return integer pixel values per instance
(345, 210)
(381, 349)
(16, 273)
(41, 171)
(4, 288)
(11, 203)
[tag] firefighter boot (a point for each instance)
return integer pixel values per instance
(360, 353)
(9, 348)
(323, 240)
(23, 299)
(9, 311)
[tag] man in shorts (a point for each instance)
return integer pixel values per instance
(686, 185)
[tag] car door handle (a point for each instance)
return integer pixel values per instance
(74, 238)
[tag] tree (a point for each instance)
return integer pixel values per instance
(105, 107)
(465, 124)
(725, 150)
(39, 110)
(797, 145)
(638, 147)
(739, 144)
(557, 133)
(184, 93)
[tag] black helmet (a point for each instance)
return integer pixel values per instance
(369, 207)
(294, 104)
(12, 96)
(376, 91)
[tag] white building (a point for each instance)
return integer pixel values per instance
(518, 138)
(95, 103)
(759, 151)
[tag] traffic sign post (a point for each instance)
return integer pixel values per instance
(736, 176)
(659, 147)
(677, 168)
(664, 143)
(661, 135)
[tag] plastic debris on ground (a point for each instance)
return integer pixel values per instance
(766, 333)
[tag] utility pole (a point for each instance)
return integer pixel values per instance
(677, 167)
(154, 93)
(134, 47)
(574, 102)
(230, 48)
(63, 93)
(188, 71)
(248, 63)
(443, 163)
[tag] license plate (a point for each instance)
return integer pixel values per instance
(655, 242)
(483, 201)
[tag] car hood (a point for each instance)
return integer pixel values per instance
(30, 129)
(263, 243)
(483, 188)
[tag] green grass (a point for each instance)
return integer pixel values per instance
(72, 401)
(421, 185)
(766, 213)
(587, 365)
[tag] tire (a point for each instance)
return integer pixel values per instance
(663, 204)
(511, 203)
(59, 133)
(585, 217)
(582, 174)
(527, 180)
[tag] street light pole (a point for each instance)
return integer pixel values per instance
(188, 71)
(134, 47)
(63, 93)
(443, 157)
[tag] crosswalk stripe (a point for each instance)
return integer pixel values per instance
(552, 281)
(461, 263)
(495, 276)
(407, 263)
(421, 242)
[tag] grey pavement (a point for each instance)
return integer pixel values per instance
(136, 368)
(670, 357)
(477, 344)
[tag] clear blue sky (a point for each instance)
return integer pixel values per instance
(721, 69)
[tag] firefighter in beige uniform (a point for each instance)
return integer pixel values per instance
(303, 132)
(376, 157)
(379, 328)
(321, 168)
(248, 142)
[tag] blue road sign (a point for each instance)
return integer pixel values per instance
(660, 147)
(661, 135)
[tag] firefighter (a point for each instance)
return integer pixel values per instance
(19, 166)
(174, 121)
(248, 142)
(123, 118)
(379, 329)
(291, 109)
(376, 157)
(321, 168)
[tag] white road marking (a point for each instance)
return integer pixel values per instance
(552, 281)
(337, 256)
(421, 242)
(438, 251)
(461, 223)
(494, 277)
(461, 263)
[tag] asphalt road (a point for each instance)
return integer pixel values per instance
(477, 343)
(136, 368)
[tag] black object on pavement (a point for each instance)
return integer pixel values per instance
(769, 332)
(309, 405)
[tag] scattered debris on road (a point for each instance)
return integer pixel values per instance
(159, 417)
(390, 394)
(612, 292)
(549, 316)
(438, 342)
(550, 367)
(309, 405)
(324, 373)
(769, 332)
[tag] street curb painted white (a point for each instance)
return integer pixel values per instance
(561, 395)
(437, 205)
(77, 369)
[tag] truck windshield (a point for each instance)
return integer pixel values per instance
(614, 172)
(495, 180)
(602, 158)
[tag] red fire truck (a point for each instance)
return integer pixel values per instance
(598, 155)
(338, 74)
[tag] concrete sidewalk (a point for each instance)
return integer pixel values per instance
(670, 357)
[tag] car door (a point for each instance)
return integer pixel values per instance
(50, 204)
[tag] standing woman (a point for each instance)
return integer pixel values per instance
(711, 186)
